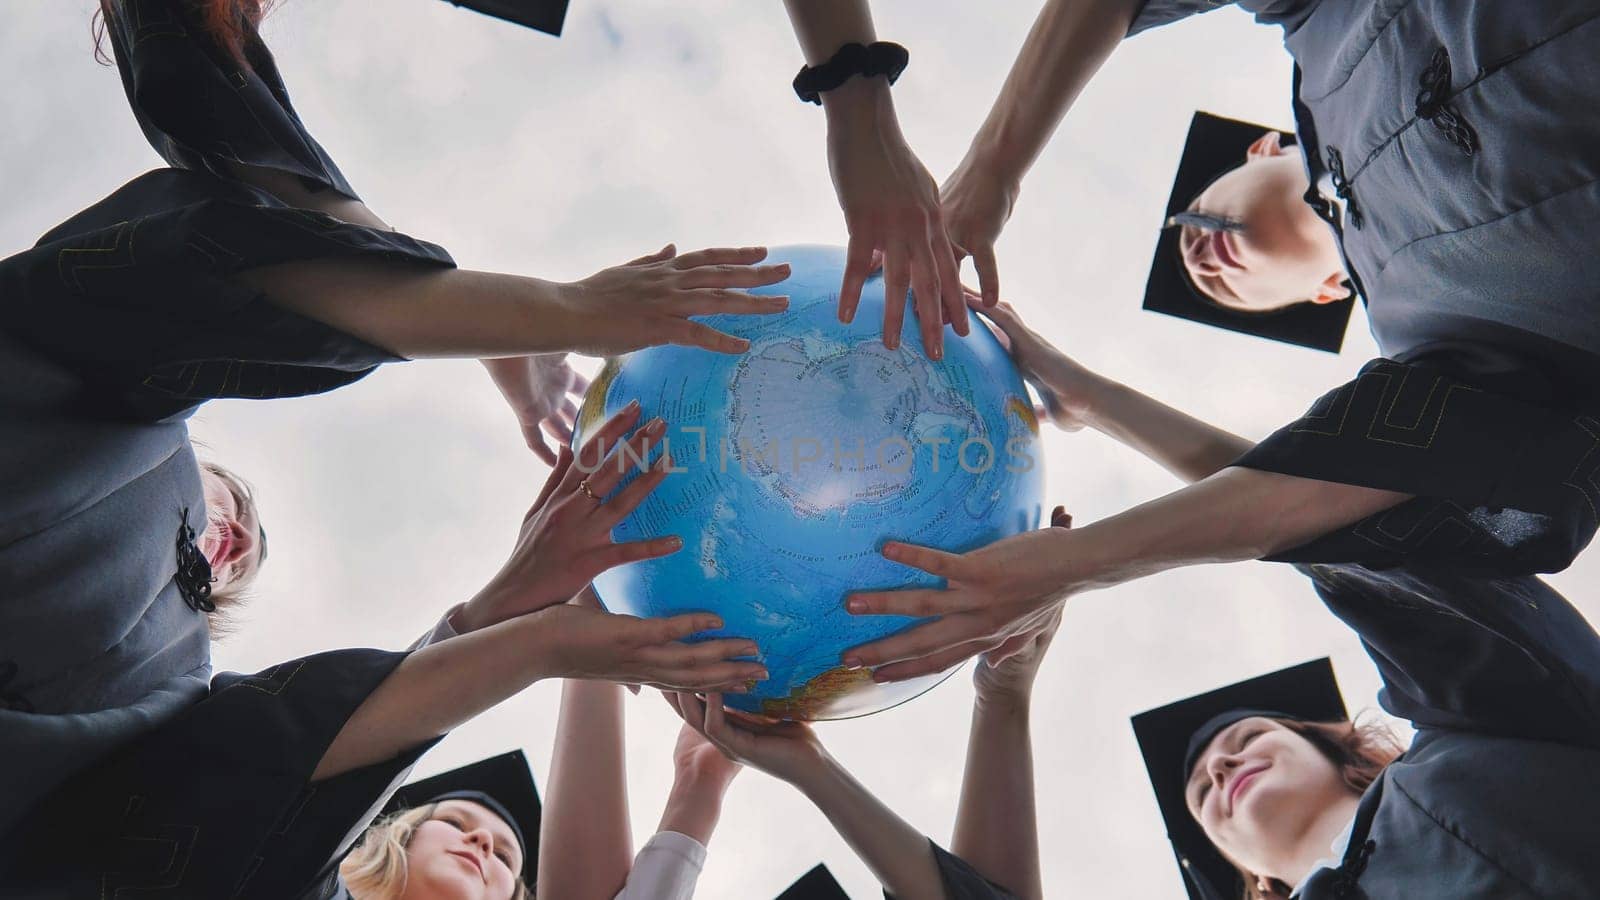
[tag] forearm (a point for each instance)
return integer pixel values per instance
(1180, 443)
(435, 689)
(1068, 43)
(1234, 515)
(823, 26)
(416, 312)
(585, 842)
(693, 807)
(898, 855)
(996, 827)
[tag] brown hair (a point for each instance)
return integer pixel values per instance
(376, 868)
(226, 21)
(1361, 751)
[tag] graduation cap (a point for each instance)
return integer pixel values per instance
(540, 15)
(1216, 146)
(1172, 738)
(817, 884)
(503, 784)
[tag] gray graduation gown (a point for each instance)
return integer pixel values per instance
(113, 329)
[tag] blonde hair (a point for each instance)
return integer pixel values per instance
(376, 868)
(233, 595)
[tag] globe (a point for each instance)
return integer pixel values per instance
(796, 461)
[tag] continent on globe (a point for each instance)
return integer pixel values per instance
(796, 461)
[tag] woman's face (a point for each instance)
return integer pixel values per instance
(462, 852)
(1282, 255)
(231, 542)
(1258, 788)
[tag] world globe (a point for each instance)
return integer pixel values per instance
(795, 462)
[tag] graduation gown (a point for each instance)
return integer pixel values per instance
(115, 327)
(1459, 141)
(217, 802)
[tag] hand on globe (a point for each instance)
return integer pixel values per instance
(786, 750)
(565, 539)
(891, 204)
(542, 391)
(649, 301)
(995, 598)
(1006, 673)
(1067, 388)
(581, 642)
(977, 202)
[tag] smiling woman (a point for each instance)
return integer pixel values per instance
(1274, 793)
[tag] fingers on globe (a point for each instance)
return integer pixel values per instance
(862, 258)
(721, 256)
(955, 310)
(625, 456)
(896, 282)
(927, 298)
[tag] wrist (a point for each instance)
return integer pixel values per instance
(1097, 399)
(861, 102)
(988, 159)
(1009, 704)
(693, 807)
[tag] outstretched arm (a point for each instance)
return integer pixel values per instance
(898, 854)
(1008, 589)
(416, 312)
(890, 202)
(585, 842)
(1068, 43)
(997, 829)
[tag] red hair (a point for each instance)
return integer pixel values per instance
(227, 22)
(1361, 751)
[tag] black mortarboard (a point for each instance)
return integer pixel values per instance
(1172, 736)
(503, 784)
(1214, 147)
(540, 15)
(817, 884)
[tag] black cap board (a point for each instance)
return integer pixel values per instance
(1215, 146)
(503, 784)
(540, 15)
(1170, 737)
(817, 884)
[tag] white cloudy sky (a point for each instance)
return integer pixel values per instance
(652, 121)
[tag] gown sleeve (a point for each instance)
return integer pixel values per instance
(136, 294)
(219, 802)
(201, 106)
(961, 880)
(1505, 482)
(1501, 656)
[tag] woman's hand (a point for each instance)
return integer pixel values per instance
(649, 301)
(786, 750)
(1069, 391)
(890, 204)
(997, 600)
(977, 202)
(695, 760)
(543, 391)
(580, 642)
(565, 539)
(1006, 673)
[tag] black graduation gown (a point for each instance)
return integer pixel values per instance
(218, 802)
(115, 327)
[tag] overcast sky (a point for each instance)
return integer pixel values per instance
(654, 121)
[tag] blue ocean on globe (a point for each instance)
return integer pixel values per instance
(797, 460)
